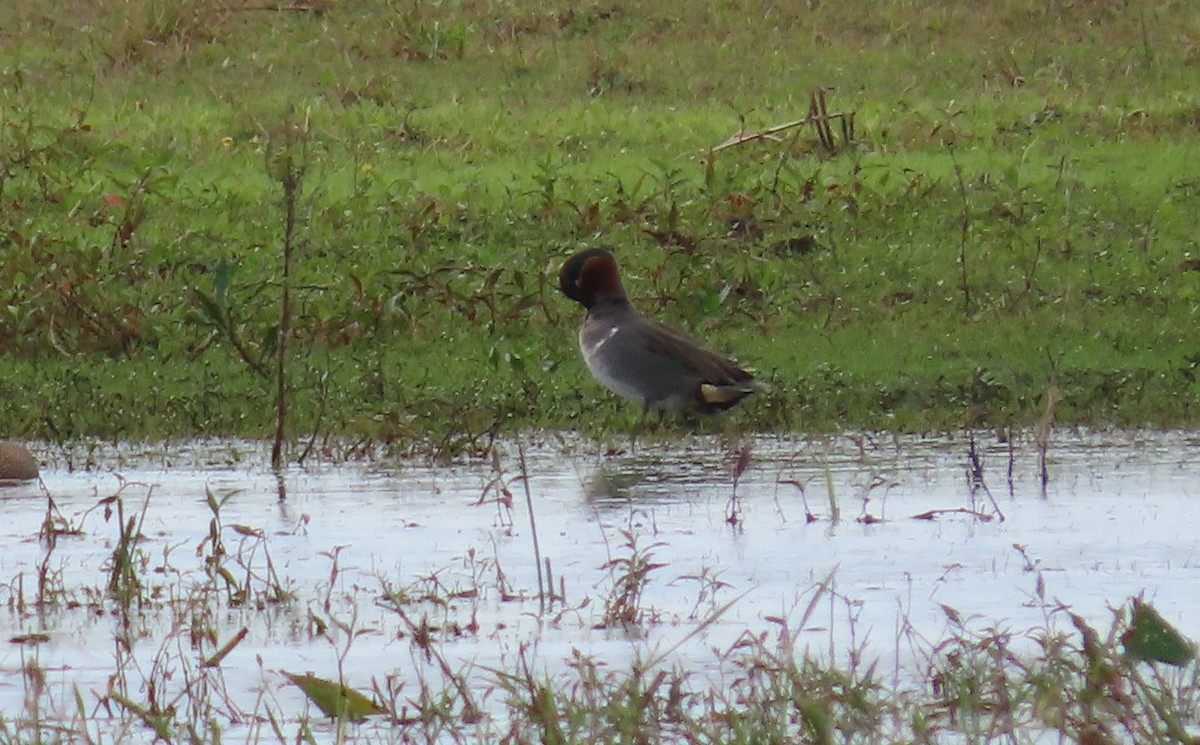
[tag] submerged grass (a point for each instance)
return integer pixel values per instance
(1014, 211)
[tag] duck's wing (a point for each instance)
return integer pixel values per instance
(721, 382)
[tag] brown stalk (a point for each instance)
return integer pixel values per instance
(818, 116)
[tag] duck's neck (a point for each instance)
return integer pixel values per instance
(603, 306)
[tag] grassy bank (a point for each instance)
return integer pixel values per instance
(1013, 215)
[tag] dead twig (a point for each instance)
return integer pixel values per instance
(1042, 430)
(818, 116)
(983, 517)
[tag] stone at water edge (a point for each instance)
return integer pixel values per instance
(16, 462)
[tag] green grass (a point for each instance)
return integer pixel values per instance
(458, 151)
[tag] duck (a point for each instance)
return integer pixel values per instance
(640, 358)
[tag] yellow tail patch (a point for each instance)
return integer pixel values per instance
(719, 394)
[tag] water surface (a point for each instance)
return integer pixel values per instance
(922, 524)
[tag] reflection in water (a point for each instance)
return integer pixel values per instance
(661, 473)
(617, 481)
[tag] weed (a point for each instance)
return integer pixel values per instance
(259, 584)
(127, 561)
(630, 574)
(287, 162)
(710, 583)
(217, 310)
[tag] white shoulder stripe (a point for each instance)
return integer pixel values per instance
(611, 333)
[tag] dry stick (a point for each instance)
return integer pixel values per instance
(975, 481)
(291, 178)
(312, 441)
(809, 517)
(817, 109)
(537, 551)
(739, 468)
(1042, 431)
(769, 133)
(848, 128)
(962, 239)
(285, 319)
(933, 514)
(818, 116)
(1012, 457)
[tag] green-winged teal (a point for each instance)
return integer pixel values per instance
(640, 358)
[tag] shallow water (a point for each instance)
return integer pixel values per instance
(1113, 523)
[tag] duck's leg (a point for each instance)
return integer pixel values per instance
(644, 423)
(637, 428)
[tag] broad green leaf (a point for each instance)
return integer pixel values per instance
(334, 699)
(1151, 639)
